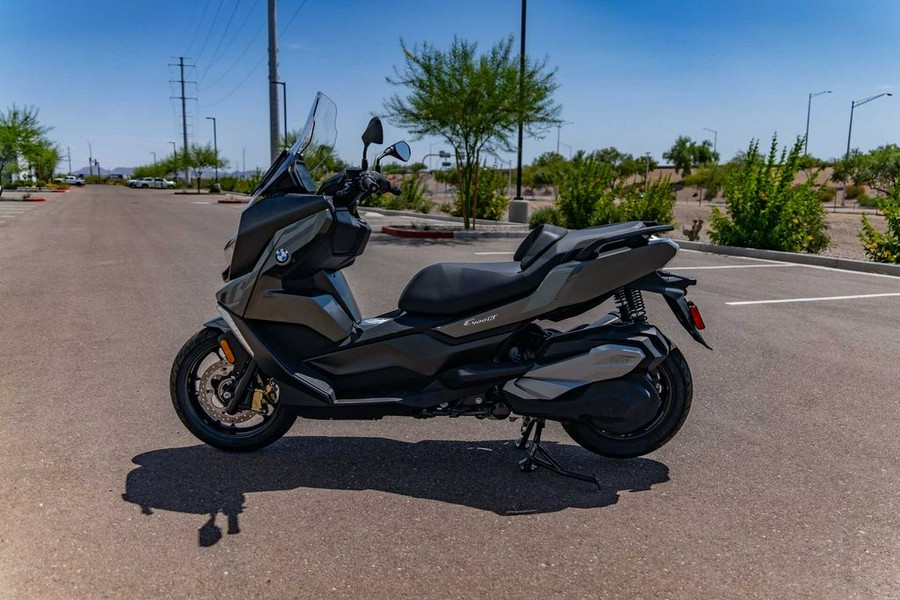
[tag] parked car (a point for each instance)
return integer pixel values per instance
(151, 182)
(70, 180)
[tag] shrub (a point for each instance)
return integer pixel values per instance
(867, 201)
(412, 197)
(765, 210)
(548, 214)
(583, 198)
(491, 201)
(884, 247)
(655, 203)
(854, 191)
(826, 194)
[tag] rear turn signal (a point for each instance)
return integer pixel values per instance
(229, 355)
(695, 317)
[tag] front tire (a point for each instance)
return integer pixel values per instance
(676, 389)
(194, 371)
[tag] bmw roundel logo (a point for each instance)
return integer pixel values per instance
(282, 256)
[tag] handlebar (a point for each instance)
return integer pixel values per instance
(376, 183)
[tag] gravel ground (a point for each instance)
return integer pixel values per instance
(842, 227)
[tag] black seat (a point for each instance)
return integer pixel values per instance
(454, 288)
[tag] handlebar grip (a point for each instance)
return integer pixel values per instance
(369, 183)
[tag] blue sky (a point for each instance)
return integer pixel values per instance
(632, 74)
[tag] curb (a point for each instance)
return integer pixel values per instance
(38, 199)
(418, 233)
(231, 201)
(816, 260)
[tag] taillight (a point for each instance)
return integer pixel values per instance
(696, 319)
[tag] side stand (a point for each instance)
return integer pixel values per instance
(538, 456)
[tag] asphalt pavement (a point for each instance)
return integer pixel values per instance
(783, 483)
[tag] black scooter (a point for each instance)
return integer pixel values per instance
(291, 341)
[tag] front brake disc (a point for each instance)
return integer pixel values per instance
(209, 395)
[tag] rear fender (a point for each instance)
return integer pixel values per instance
(674, 289)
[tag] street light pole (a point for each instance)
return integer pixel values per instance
(90, 159)
(174, 160)
(154, 157)
(715, 139)
(647, 171)
(853, 105)
(808, 108)
(558, 127)
(215, 147)
(284, 99)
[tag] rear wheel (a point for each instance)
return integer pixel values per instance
(200, 381)
(673, 382)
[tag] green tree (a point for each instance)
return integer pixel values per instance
(202, 157)
(709, 180)
(765, 209)
(879, 169)
(321, 160)
(473, 101)
(22, 135)
(43, 157)
(884, 247)
(685, 154)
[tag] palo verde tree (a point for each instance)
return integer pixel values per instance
(878, 169)
(202, 157)
(22, 135)
(471, 100)
(685, 154)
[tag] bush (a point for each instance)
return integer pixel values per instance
(655, 203)
(826, 194)
(491, 201)
(549, 215)
(583, 198)
(884, 247)
(854, 191)
(867, 201)
(765, 210)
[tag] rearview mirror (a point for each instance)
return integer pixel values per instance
(374, 133)
(400, 151)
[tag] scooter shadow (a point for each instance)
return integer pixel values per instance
(483, 475)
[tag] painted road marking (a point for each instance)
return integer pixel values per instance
(824, 298)
(491, 253)
(199, 202)
(734, 267)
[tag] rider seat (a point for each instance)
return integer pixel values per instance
(455, 288)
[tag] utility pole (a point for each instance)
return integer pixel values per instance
(183, 99)
(90, 159)
(69, 156)
(215, 146)
(518, 208)
(284, 102)
(274, 147)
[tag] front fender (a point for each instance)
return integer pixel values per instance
(218, 323)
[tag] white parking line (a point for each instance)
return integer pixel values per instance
(734, 267)
(199, 202)
(491, 253)
(824, 298)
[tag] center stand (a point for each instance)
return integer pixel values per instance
(538, 456)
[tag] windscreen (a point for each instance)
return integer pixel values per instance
(312, 145)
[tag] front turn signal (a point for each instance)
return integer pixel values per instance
(226, 349)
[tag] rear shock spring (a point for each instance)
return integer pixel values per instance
(630, 303)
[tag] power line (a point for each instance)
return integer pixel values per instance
(215, 53)
(257, 65)
(210, 30)
(197, 28)
(240, 56)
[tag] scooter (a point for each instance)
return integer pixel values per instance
(290, 340)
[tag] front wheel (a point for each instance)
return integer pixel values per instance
(672, 379)
(200, 381)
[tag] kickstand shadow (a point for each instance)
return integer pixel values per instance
(483, 475)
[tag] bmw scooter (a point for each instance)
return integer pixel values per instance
(464, 341)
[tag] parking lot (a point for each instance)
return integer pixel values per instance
(783, 483)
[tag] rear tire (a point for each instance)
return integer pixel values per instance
(246, 436)
(673, 377)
